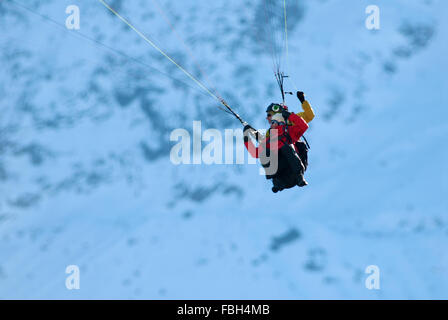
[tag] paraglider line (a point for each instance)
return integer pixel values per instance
(174, 62)
(158, 49)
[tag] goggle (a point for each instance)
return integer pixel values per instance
(274, 108)
(277, 122)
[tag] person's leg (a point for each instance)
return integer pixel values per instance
(280, 179)
(277, 185)
(295, 165)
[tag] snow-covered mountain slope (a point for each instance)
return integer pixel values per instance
(86, 178)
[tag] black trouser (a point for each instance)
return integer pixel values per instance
(292, 158)
(289, 168)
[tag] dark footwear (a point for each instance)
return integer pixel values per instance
(277, 189)
(301, 182)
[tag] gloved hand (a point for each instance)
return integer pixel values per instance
(251, 131)
(247, 127)
(301, 96)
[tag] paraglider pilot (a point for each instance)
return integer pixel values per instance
(283, 138)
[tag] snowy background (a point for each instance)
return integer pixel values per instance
(86, 178)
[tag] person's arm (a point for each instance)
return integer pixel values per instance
(254, 133)
(298, 126)
(308, 112)
(251, 148)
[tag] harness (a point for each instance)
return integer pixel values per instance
(284, 138)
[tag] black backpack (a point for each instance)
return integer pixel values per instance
(302, 151)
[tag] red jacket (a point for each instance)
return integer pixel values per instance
(294, 131)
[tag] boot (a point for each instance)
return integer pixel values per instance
(301, 182)
(277, 189)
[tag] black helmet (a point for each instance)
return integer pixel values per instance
(274, 108)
